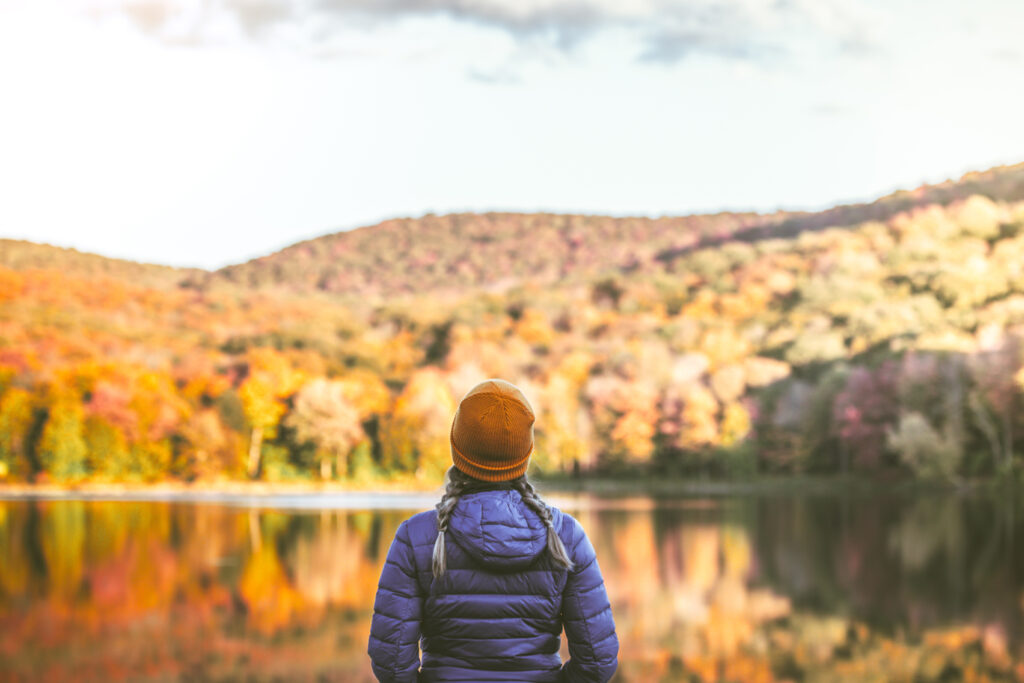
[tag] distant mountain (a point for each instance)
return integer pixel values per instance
(499, 250)
(490, 250)
(23, 255)
(496, 251)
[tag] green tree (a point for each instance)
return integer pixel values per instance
(923, 449)
(62, 450)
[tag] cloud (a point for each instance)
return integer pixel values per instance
(668, 46)
(498, 76)
(666, 31)
(564, 21)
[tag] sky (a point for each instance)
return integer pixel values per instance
(208, 132)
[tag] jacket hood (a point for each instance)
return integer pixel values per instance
(498, 529)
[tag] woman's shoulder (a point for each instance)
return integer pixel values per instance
(421, 528)
(568, 527)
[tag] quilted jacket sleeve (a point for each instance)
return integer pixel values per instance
(587, 616)
(395, 627)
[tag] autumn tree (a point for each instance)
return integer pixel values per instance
(323, 415)
(563, 438)
(270, 380)
(16, 419)
(415, 435)
(62, 450)
(209, 449)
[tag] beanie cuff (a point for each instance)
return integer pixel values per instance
(490, 472)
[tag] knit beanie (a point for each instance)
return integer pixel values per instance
(492, 433)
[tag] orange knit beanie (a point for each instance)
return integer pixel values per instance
(492, 433)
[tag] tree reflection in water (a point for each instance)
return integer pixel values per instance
(763, 588)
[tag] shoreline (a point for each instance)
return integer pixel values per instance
(410, 492)
(235, 493)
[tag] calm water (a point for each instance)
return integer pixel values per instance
(755, 588)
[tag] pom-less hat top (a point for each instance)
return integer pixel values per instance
(492, 432)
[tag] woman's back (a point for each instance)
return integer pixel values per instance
(497, 612)
(485, 584)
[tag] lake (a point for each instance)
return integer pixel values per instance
(887, 586)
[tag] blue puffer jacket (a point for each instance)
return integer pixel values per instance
(498, 611)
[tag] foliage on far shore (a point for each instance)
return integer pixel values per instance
(883, 339)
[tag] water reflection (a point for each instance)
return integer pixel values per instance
(881, 588)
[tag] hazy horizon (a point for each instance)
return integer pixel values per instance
(301, 239)
(202, 134)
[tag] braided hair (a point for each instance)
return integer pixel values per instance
(460, 484)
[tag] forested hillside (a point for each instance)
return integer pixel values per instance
(22, 255)
(497, 251)
(882, 338)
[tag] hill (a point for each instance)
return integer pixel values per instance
(885, 338)
(497, 251)
(23, 255)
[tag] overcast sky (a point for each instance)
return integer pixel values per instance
(208, 132)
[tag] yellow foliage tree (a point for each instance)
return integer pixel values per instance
(61, 446)
(560, 443)
(271, 379)
(634, 432)
(16, 414)
(699, 419)
(415, 437)
(735, 423)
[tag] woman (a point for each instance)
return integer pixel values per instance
(486, 582)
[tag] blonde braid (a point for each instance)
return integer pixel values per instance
(533, 501)
(458, 484)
